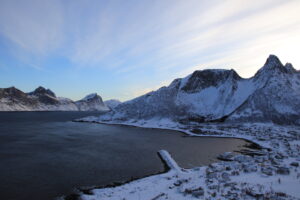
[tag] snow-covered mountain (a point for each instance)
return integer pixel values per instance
(91, 102)
(278, 97)
(112, 103)
(273, 94)
(41, 99)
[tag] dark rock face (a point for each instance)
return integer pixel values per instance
(42, 91)
(200, 80)
(45, 96)
(12, 92)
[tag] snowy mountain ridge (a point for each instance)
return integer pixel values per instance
(271, 95)
(91, 102)
(89, 96)
(41, 99)
(112, 103)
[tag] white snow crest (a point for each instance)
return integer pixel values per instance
(169, 160)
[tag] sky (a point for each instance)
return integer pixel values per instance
(123, 49)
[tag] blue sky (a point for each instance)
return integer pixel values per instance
(122, 49)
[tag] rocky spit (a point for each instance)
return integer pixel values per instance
(269, 171)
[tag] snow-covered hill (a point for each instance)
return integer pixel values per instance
(91, 102)
(218, 95)
(41, 99)
(112, 103)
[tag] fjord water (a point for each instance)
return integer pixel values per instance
(44, 155)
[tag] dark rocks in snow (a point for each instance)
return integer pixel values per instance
(267, 171)
(230, 195)
(196, 192)
(242, 158)
(295, 164)
(227, 156)
(180, 182)
(212, 175)
(249, 168)
(283, 170)
(255, 193)
(225, 176)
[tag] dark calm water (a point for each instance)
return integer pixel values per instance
(44, 155)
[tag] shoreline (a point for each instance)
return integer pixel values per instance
(261, 135)
(183, 132)
(88, 190)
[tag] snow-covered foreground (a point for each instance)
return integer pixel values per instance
(272, 172)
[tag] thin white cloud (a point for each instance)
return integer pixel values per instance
(36, 26)
(181, 32)
(170, 37)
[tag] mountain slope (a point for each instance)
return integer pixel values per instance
(201, 96)
(112, 103)
(218, 95)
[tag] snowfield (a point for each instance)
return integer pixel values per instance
(271, 172)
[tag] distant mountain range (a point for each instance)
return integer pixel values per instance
(213, 95)
(41, 99)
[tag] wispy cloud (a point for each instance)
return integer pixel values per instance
(178, 32)
(169, 38)
(35, 26)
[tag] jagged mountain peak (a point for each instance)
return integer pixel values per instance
(273, 60)
(91, 102)
(290, 68)
(42, 91)
(273, 66)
